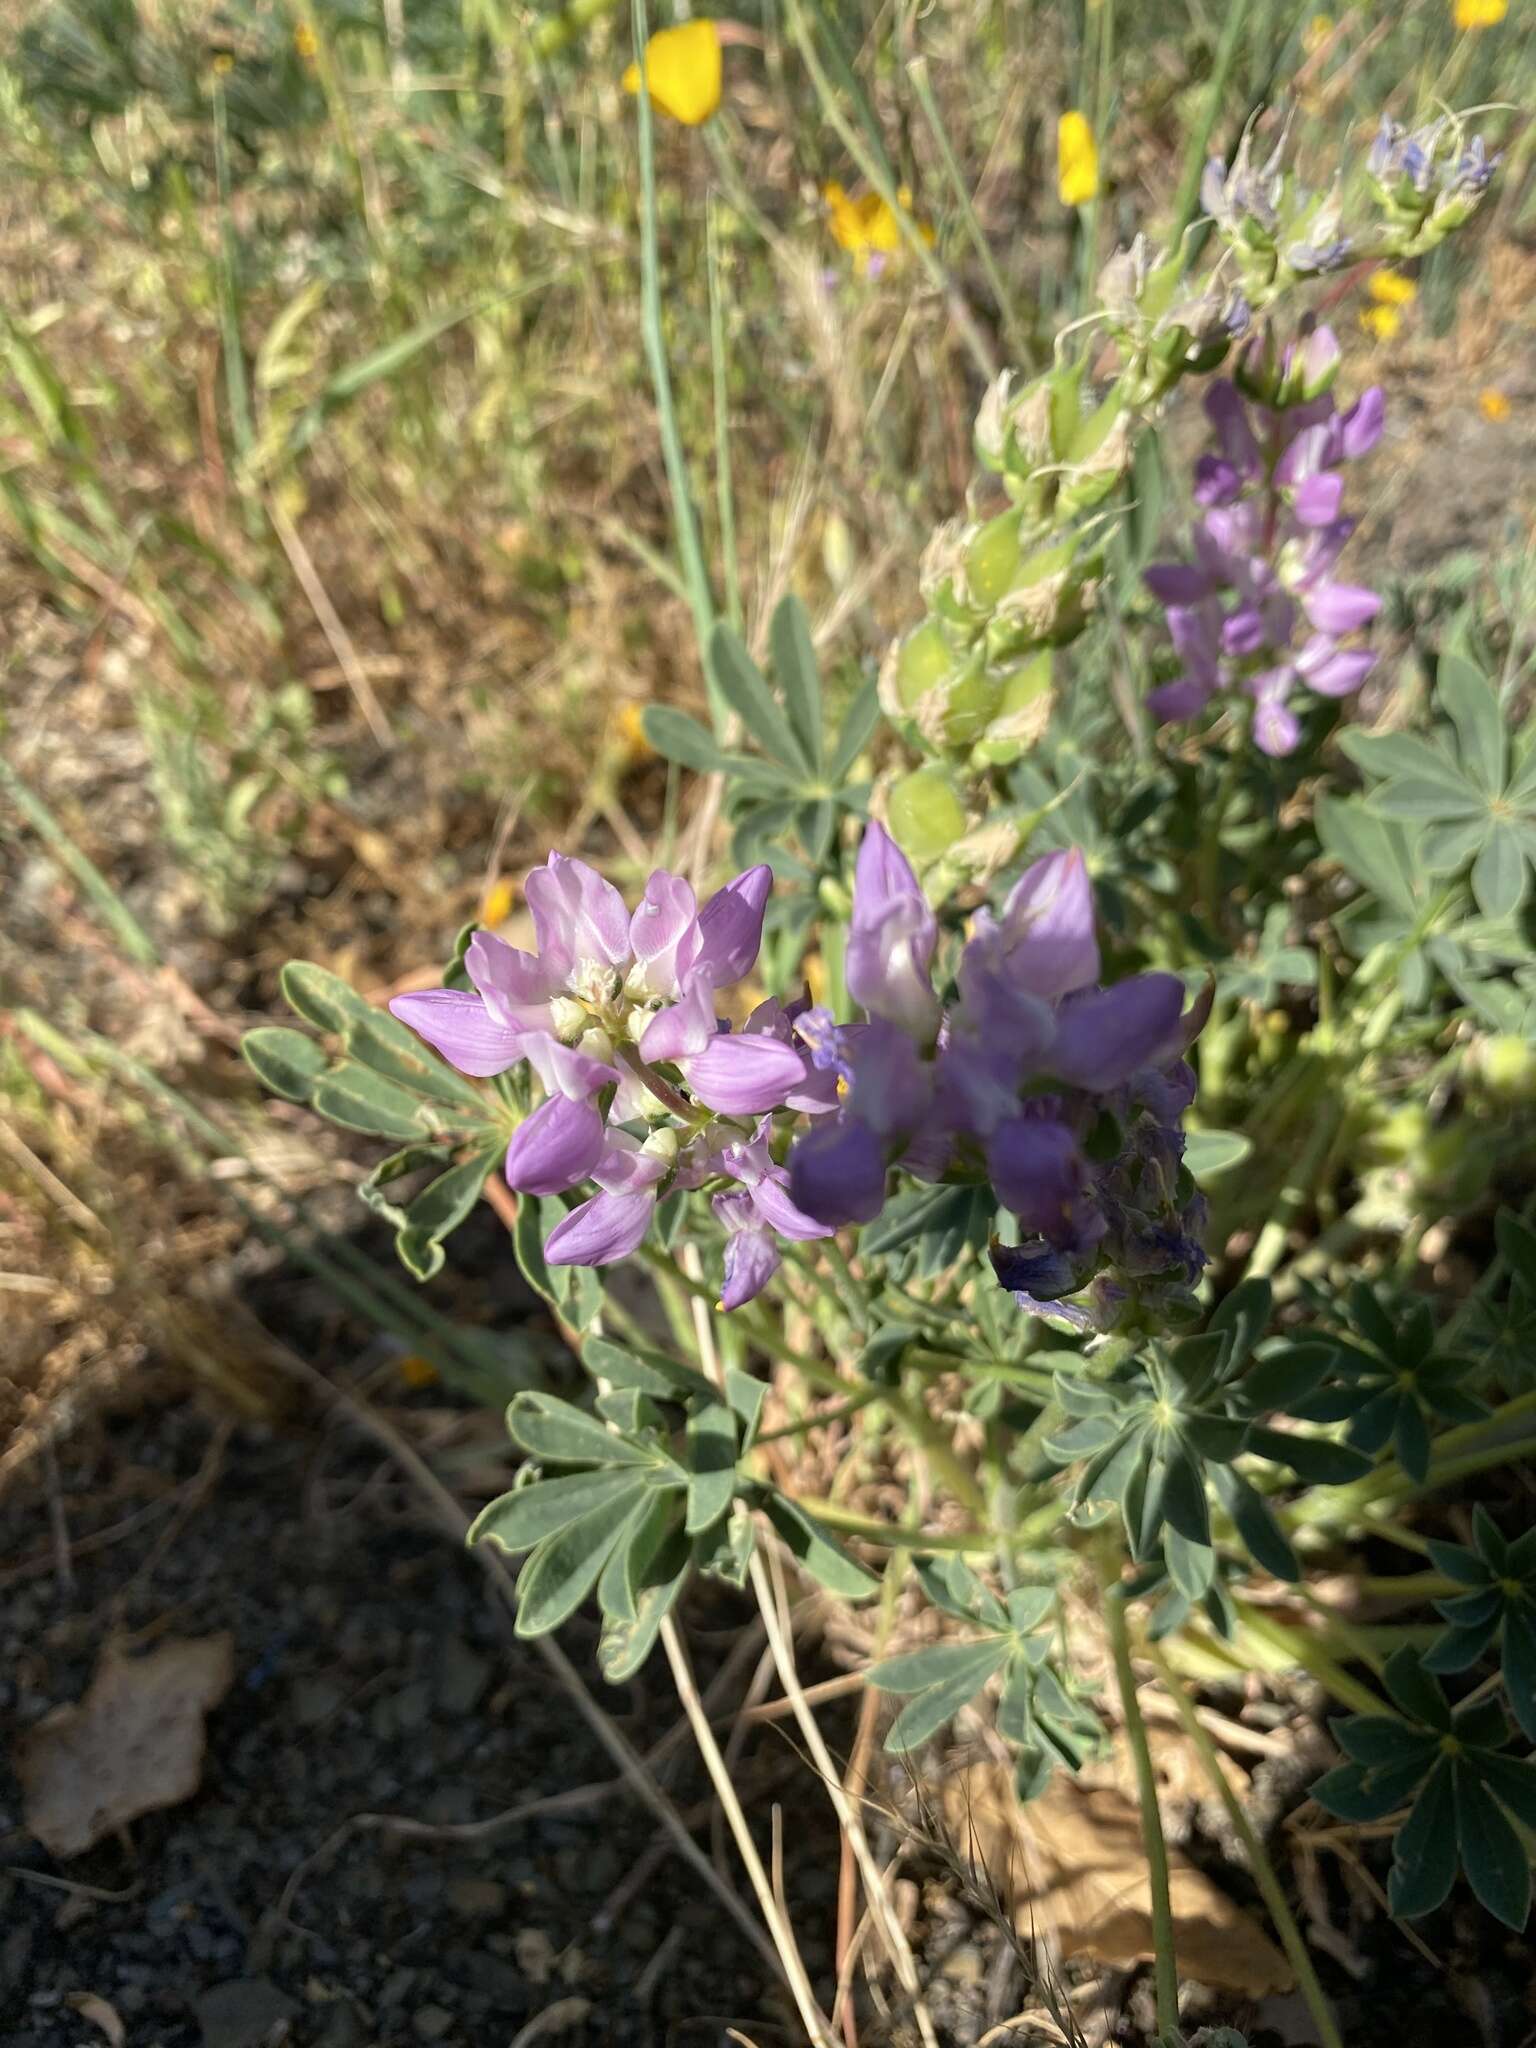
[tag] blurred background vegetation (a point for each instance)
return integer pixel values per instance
(334, 554)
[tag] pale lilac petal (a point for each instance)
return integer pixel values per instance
(1243, 631)
(772, 1201)
(685, 1028)
(1360, 428)
(751, 1260)
(664, 933)
(1304, 457)
(603, 1230)
(457, 1023)
(1333, 671)
(891, 938)
(1228, 415)
(558, 1146)
(627, 1166)
(1340, 607)
(837, 1172)
(564, 1069)
(515, 985)
(1104, 1035)
(578, 916)
(743, 1075)
(1276, 728)
(1048, 927)
(731, 927)
(1317, 501)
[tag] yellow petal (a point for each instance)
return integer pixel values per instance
(1493, 405)
(1479, 13)
(682, 68)
(1381, 321)
(1391, 288)
(1077, 160)
(496, 904)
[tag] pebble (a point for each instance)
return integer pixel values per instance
(460, 1678)
(477, 1898)
(241, 2012)
(315, 1699)
(431, 2022)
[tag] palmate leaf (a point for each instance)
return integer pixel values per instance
(816, 1552)
(284, 1060)
(1497, 1866)
(745, 689)
(552, 1429)
(526, 1515)
(566, 1566)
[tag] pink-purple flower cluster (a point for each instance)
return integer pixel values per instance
(1260, 610)
(1063, 1096)
(646, 1089)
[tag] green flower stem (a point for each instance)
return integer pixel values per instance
(1300, 1647)
(1258, 1857)
(1458, 1454)
(863, 1399)
(855, 1307)
(877, 176)
(1166, 1961)
(970, 1543)
(1294, 1196)
(1198, 149)
(684, 516)
(725, 499)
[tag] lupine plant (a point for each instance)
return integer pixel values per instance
(1114, 906)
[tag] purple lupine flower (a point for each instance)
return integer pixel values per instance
(1004, 1085)
(1265, 550)
(755, 1218)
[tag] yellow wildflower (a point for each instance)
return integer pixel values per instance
(1479, 13)
(417, 1372)
(1493, 405)
(496, 903)
(223, 64)
(631, 724)
(682, 71)
(306, 42)
(1077, 160)
(1316, 33)
(867, 227)
(1391, 288)
(1381, 321)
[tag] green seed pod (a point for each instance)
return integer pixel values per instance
(925, 814)
(1502, 1068)
(1022, 714)
(992, 558)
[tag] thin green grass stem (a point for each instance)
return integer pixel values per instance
(1165, 1965)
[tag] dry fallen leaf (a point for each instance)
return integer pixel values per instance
(100, 2014)
(1072, 1867)
(132, 1745)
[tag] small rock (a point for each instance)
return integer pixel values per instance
(496, 1981)
(315, 1699)
(396, 1985)
(477, 1898)
(242, 2012)
(431, 2022)
(963, 1967)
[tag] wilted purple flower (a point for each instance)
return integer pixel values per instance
(1259, 609)
(1010, 1083)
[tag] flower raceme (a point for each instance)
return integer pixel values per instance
(1062, 1095)
(609, 999)
(1259, 609)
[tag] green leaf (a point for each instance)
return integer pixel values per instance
(1497, 1867)
(625, 1645)
(526, 1515)
(649, 1371)
(1499, 872)
(862, 717)
(1414, 1692)
(711, 1466)
(1424, 1854)
(743, 687)
(1377, 1740)
(566, 1566)
(911, 1216)
(285, 1061)
(1478, 718)
(1517, 1243)
(938, 1664)
(967, 1669)
(528, 1234)
(816, 1551)
(1209, 1153)
(1402, 755)
(1520, 1667)
(362, 1101)
(1312, 1458)
(385, 1044)
(746, 1396)
(1512, 1780)
(1244, 1312)
(1370, 849)
(322, 998)
(797, 674)
(650, 1519)
(677, 737)
(444, 1203)
(1254, 1522)
(554, 1430)
(1191, 1566)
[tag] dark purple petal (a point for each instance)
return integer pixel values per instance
(731, 927)
(1226, 412)
(1360, 428)
(664, 933)
(1039, 1172)
(1103, 1036)
(1048, 927)
(1185, 698)
(1176, 582)
(1217, 482)
(460, 1027)
(892, 1083)
(1243, 631)
(837, 1172)
(601, 1231)
(1340, 607)
(558, 1146)
(743, 1074)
